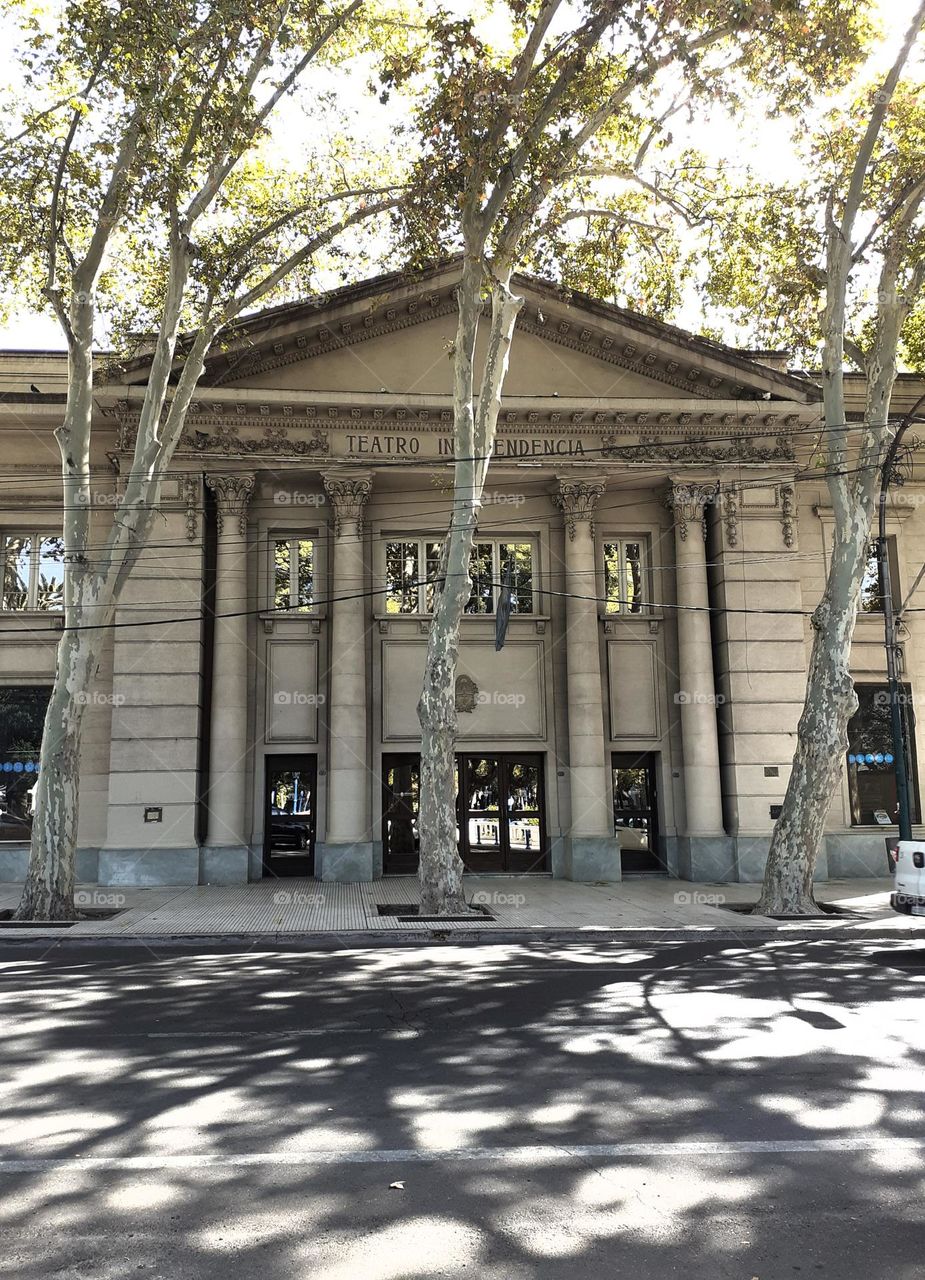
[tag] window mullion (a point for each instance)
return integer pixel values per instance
(294, 573)
(32, 591)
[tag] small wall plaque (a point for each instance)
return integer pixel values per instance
(154, 813)
(775, 810)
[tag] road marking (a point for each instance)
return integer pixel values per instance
(526, 1155)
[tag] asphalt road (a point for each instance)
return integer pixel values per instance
(703, 1111)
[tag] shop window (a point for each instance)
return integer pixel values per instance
(22, 717)
(412, 568)
(624, 575)
(293, 573)
(33, 571)
(871, 598)
(871, 768)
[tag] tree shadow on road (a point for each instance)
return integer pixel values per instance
(535, 1056)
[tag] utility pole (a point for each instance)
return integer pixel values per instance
(890, 623)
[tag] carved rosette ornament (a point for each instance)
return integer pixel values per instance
(233, 491)
(348, 495)
(689, 503)
(576, 500)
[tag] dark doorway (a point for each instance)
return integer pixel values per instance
(289, 816)
(401, 791)
(501, 813)
(635, 813)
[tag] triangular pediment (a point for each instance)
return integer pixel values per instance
(395, 334)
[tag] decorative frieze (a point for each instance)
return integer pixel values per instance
(742, 449)
(233, 491)
(576, 499)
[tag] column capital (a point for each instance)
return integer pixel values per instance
(233, 491)
(576, 498)
(688, 499)
(349, 492)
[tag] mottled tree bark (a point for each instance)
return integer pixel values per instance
(852, 477)
(477, 400)
(822, 738)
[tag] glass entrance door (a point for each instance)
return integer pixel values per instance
(289, 816)
(501, 813)
(635, 814)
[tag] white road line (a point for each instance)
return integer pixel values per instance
(526, 1155)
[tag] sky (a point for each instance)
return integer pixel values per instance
(756, 142)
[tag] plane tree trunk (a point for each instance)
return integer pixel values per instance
(853, 463)
(477, 400)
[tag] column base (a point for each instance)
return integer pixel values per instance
(345, 863)
(149, 868)
(224, 864)
(591, 858)
(707, 859)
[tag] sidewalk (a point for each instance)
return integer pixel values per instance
(521, 908)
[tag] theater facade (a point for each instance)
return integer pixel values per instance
(652, 508)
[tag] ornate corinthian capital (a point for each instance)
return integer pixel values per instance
(576, 499)
(348, 493)
(233, 491)
(688, 502)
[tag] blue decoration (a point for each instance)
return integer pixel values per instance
(887, 759)
(852, 759)
(869, 759)
(878, 758)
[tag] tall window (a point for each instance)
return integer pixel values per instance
(293, 573)
(412, 566)
(411, 569)
(22, 716)
(624, 576)
(871, 770)
(495, 565)
(871, 599)
(33, 571)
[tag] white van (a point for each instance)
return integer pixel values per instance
(909, 898)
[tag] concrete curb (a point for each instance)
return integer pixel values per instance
(433, 935)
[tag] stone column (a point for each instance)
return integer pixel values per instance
(592, 849)
(347, 851)
(229, 748)
(697, 694)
